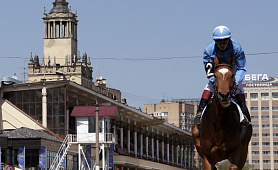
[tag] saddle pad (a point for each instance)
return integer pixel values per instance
(241, 115)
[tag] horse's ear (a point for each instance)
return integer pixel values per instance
(231, 60)
(215, 61)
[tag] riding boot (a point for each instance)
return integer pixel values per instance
(247, 119)
(202, 105)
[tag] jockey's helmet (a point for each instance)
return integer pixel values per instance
(221, 32)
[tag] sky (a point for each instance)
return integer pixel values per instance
(148, 49)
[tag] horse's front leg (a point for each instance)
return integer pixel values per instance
(196, 137)
(233, 167)
(207, 165)
(234, 159)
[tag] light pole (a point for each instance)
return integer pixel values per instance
(97, 132)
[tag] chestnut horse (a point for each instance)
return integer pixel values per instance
(219, 136)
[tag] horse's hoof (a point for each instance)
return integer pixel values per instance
(233, 168)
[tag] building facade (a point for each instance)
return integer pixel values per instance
(176, 112)
(62, 80)
(261, 93)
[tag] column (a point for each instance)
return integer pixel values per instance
(152, 142)
(188, 155)
(168, 149)
(181, 154)
(177, 153)
(172, 149)
(162, 147)
(192, 154)
(141, 143)
(76, 32)
(184, 156)
(128, 136)
(44, 107)
(157, 147)
(147, 143)
(70, 29)
(61, 29)
(45, 30)
(48, 30)
(66, 29)
(135, 140)
(53, 30)
(121, 134)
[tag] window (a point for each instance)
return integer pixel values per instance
(265, 117)
(265, 135)
(275, 126)
(255, 135)
(266, 143)
(255, 126)
(274, 108)
(266, 161)
(266, 126)
(266, 152)
(275, 117)
(255, 161)
(275, 135)
(275, 143)
(254, 96)
(254, 117)
(255, 143)
(275, 96)
(265, 96)
(255, 152)
(265, 108)
(275, 152)
(254, 109)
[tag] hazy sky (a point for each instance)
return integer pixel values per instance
(148, 49)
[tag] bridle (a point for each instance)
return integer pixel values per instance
(232, 92)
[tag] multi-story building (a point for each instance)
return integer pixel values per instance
(261, 93)
(176, 112)
(60, 94)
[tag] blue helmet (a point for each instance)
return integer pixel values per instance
(221, 32)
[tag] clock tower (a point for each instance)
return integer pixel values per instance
(60, 59)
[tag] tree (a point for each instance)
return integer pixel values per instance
(224, 165)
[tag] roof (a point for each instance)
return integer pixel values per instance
(87, 111)
(60, 6)
(26, 133)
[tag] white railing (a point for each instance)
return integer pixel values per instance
(109, 138)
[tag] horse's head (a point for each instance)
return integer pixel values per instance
(224, 81)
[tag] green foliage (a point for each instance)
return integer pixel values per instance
(224, 165)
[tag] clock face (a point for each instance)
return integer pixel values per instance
(50, 43)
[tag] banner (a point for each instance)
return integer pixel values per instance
(42, 158)
(111, 161)
(63, 165)
(88, 155)
(21, 157)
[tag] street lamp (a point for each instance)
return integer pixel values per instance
(97, 130)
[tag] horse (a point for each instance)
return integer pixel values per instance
(219, 135)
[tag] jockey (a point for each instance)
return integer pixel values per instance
(223, 47)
